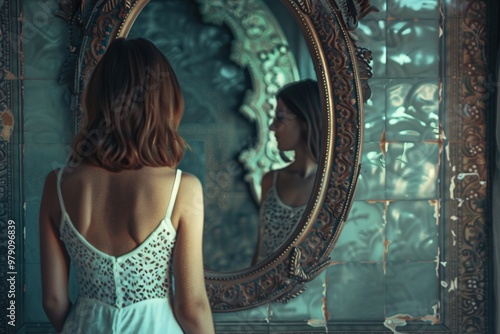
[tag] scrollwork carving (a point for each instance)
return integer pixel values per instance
(352, 11)
(296, 271)
(71, 12)
(474, 241)
(364, 57)
(262, 48)
(304, 5)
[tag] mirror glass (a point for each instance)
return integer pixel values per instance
(220, 132)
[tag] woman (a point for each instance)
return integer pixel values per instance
(121, 212)
(285, 192)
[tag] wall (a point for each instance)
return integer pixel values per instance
(46, 123)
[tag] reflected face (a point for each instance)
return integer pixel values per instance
(288, 128)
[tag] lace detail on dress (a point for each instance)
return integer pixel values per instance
(94, 273)
(142, 274)
(277, 222)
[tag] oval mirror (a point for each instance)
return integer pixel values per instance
(250, 72)
(229, 91)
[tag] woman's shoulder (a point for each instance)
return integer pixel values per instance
(190, 184)
(188, 177)
(268, 177)
(51, 180)
(267, 183)
(189, 201)
(69, 171)
(51, 177)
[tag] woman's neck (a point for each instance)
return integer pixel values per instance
(303, 163)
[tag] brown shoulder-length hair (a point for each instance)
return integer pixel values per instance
(132, 107)
(303, 99)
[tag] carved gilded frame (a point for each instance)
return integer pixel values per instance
(335, 58)
(307, 253)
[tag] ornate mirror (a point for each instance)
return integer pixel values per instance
(229, 95)
(255, 62)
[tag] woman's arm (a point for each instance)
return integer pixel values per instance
(53, 257)
(266, 184)
(191, 305)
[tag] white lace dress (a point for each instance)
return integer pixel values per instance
(122, 294)
(277, 222)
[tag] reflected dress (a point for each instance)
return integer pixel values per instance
(277, 222)
(122, 294)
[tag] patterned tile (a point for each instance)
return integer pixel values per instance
(411, 288)
(413, 49)
(32, 248)
(363, 235)
(413, 230)
(375, 112)
(39, 160)
(33, 309)
(308, 305)
(412, 9)
(46, 39)
(412, 171)
(372, 35)
(245, 318)
(412, 110)
(47, 118)
(372, 178)
(355, 291)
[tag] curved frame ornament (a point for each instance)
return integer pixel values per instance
(260, 46)
(336, 61)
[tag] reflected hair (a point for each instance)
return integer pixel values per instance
(303, 99)
(132, 108)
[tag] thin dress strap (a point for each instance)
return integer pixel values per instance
(175, 189)
(275, 178)
(59, 193)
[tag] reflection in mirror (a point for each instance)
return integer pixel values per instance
(286, 191)
(219, 123)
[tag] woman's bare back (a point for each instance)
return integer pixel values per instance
(116, 212)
